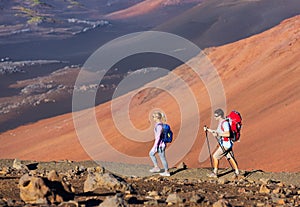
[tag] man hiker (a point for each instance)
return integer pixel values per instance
(222, 133)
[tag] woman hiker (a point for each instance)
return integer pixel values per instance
(159, 146)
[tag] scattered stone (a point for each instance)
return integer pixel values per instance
(17, 164)
(280, 184)
(3, 202)
(196, 198)
(264, 181)
(223, 181)
(4, 171)
(10, 202)
(277, 190)
(221, 196)
(79, 169)
(221, 203)
(166, 190)
(241, 190)
(113, 202)
(280, 201)
(174, 198)
(181, 166)
(53, 176)
(264, 189)
(151, 203)
(68, 204)
(153, 193)
(288, 192)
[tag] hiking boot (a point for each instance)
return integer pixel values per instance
(212, 175)
(235, 175)
(166, 174)
(155, 170)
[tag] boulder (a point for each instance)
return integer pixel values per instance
(55, 178)
(33, 190)
(38, 190)
(98, 178)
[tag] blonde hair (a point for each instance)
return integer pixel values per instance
(160, 116)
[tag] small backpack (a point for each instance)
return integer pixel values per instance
(235, 121)
(166, 134)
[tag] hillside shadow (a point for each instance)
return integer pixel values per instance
(178, 171)
(249, 173)
(225, 172)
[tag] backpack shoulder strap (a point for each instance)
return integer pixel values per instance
(162, 126)
(222, 128)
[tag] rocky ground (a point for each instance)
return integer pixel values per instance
(88, 184)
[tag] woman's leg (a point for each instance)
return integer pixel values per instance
(153, 158)
(163, 159)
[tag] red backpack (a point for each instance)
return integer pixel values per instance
(235, 121)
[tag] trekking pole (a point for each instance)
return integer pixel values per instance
(211, 163)
(224, 151)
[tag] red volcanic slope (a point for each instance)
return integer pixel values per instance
(260, 76)
(142, 8)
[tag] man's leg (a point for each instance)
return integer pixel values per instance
(216, 157)
(216, 165)
(233, 162)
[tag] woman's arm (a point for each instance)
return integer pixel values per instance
(157, 134)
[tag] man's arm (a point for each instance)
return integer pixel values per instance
(226, 132)
(211, 131)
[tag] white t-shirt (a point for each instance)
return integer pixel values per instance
(226, 128)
